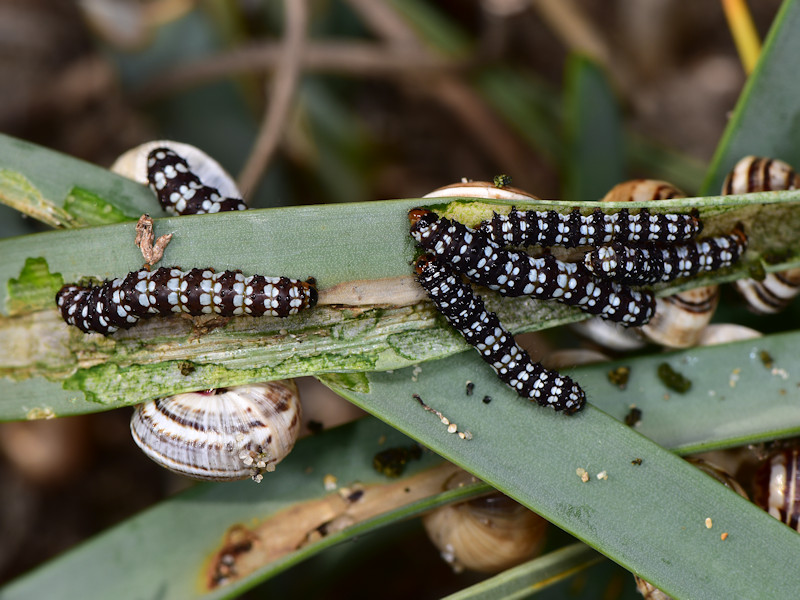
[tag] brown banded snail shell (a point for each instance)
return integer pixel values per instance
(221, 435)
(752, 174)
(680, 319)
(777, 486)
(642, 190)
(488, 534)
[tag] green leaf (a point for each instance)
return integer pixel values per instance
(69, 372)
(648, 517)
(594, 161)
(174, 549)
(533, 576)
(766, 121)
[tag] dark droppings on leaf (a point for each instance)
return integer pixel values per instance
(636, 462)
(470, 388)
(392, 461)
(355, 496)
(619, 376)
(487, 399)
(672, 379)
(633, 417)
(766, 359)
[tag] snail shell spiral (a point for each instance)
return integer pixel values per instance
(221, 435)
(753, 174)
(488, 534)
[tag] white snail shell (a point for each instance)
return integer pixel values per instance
(481, 189)
(133, 165)
(680, 319)
(724, 333)
(221, 435)
(777, 486)
(488, 534)
(609, 334)
(753, 174)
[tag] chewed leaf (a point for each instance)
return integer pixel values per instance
(91, 209)
(34, 289)
(19, 193)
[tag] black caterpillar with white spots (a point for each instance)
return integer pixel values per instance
(121, 302)
(180, 191)
(484, 262)
(551, 228)
(651, 263)
(482, 329)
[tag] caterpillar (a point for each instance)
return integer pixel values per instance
(551, 228)
(120, 303)
(650, 263)
(482, 329)
(180, 191)
(482, 261)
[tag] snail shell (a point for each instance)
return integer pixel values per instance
(642, 190)
(133, 165)
(221, 435)
(777, 486)
(481, 189)
(488, 534)
(610, 335)
(679, 320)
(753, 174)
(724, 333)
(773, 293)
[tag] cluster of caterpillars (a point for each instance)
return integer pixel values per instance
(121, 302)
(630, 250)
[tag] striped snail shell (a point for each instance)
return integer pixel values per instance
(753, 174)
(487, 534)
(221, 435)
(680, 319)
(777, 486)
(481, 189)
